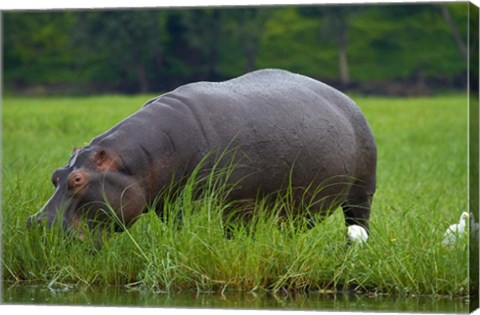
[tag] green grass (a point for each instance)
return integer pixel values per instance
(421, 190)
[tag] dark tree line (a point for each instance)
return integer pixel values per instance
(151, 50)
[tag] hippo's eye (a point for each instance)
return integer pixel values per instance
(76, 179)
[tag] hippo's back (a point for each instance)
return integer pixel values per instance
(286, 127)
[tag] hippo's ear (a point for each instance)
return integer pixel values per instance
(105, 160)
(75, 150)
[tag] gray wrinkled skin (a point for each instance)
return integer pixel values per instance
(277, 122)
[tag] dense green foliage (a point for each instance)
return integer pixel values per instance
(413, 48)
(422, 189)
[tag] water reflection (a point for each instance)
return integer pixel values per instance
(115, 296)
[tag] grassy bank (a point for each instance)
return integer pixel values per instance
(422, 189)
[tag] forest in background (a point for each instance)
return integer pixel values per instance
(389, 49)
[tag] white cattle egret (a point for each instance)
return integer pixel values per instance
(357, 234)
(456, 231)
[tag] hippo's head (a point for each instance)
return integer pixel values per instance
(93, 188)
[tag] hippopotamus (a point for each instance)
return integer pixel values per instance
(285, 129)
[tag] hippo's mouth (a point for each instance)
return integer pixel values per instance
(90, 236)
(86, 231)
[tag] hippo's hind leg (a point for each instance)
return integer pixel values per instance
(356, 209)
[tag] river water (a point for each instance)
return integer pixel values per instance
(118, 296)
